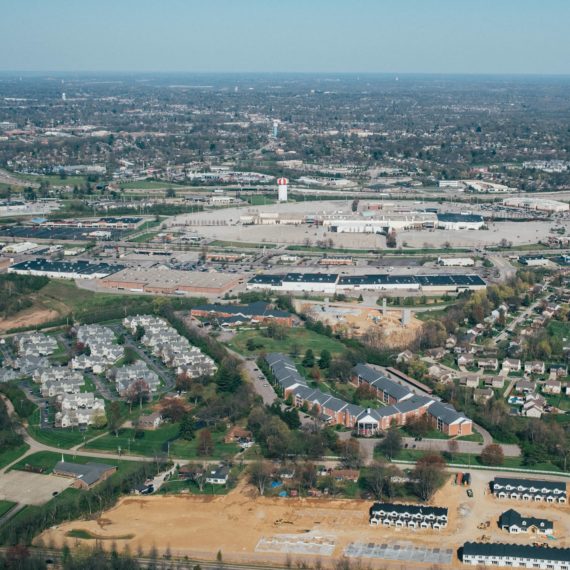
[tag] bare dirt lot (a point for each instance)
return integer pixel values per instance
(28, 318)
(357, 320)
(30, 488)
(246, 527)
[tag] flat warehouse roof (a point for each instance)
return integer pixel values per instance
(378, 279)
(82, 267)
(450, 217)
(173, 278)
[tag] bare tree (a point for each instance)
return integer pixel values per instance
(259, 475)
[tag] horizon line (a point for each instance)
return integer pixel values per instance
(291, 72)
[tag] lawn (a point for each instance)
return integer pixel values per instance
(475, 436)
(153, 442)
(47, 460)
(299, 337)
(475, 461)
(559, 329)
(63, 438)
(6, 506)
(9, 455)
(189, 449)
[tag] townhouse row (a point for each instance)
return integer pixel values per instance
(408, 516)
(164, 342)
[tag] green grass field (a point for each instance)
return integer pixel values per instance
(9, 455)
(63, 438)
(66, 300)
(260, 200)
(238, 244)
(149, 185)
(475, 460)
(300, 337)
(48, 459)
(152, 443)
(143, 238)
(155, 442)
(6, 506)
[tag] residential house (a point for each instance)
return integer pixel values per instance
(488, 364)
(436, 353)
(552, 387)
(525, 386)
(466, 360)
(514, 523)
(440, 374)
(469, 381)
(149, 421)
(534, 367)
(218, 476)
(405, 357)
(482, 395)
(495, 382)
(512, 365)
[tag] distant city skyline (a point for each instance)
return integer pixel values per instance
(376, 36)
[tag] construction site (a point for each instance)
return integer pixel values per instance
(244, 527)
(398, 326)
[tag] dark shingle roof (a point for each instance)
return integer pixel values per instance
(411, 509)
(512, 517)
(517, 551)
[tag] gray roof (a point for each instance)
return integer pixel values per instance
(88, 472)
(381, 382)
(445, 412)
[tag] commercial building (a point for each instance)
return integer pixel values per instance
(535, 261)
(381, 224)
(20, 247)
(172, 281)
(334, 283)
(64, 269)
(456, 261)
(515, 555)
(537, 204)
(408, 516)
(460, 221)
(529, 489)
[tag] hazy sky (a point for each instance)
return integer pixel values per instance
(439, 36)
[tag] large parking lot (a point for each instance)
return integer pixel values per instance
(30, 488)
(55, 233)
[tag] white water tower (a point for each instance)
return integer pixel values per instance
(282, 189)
